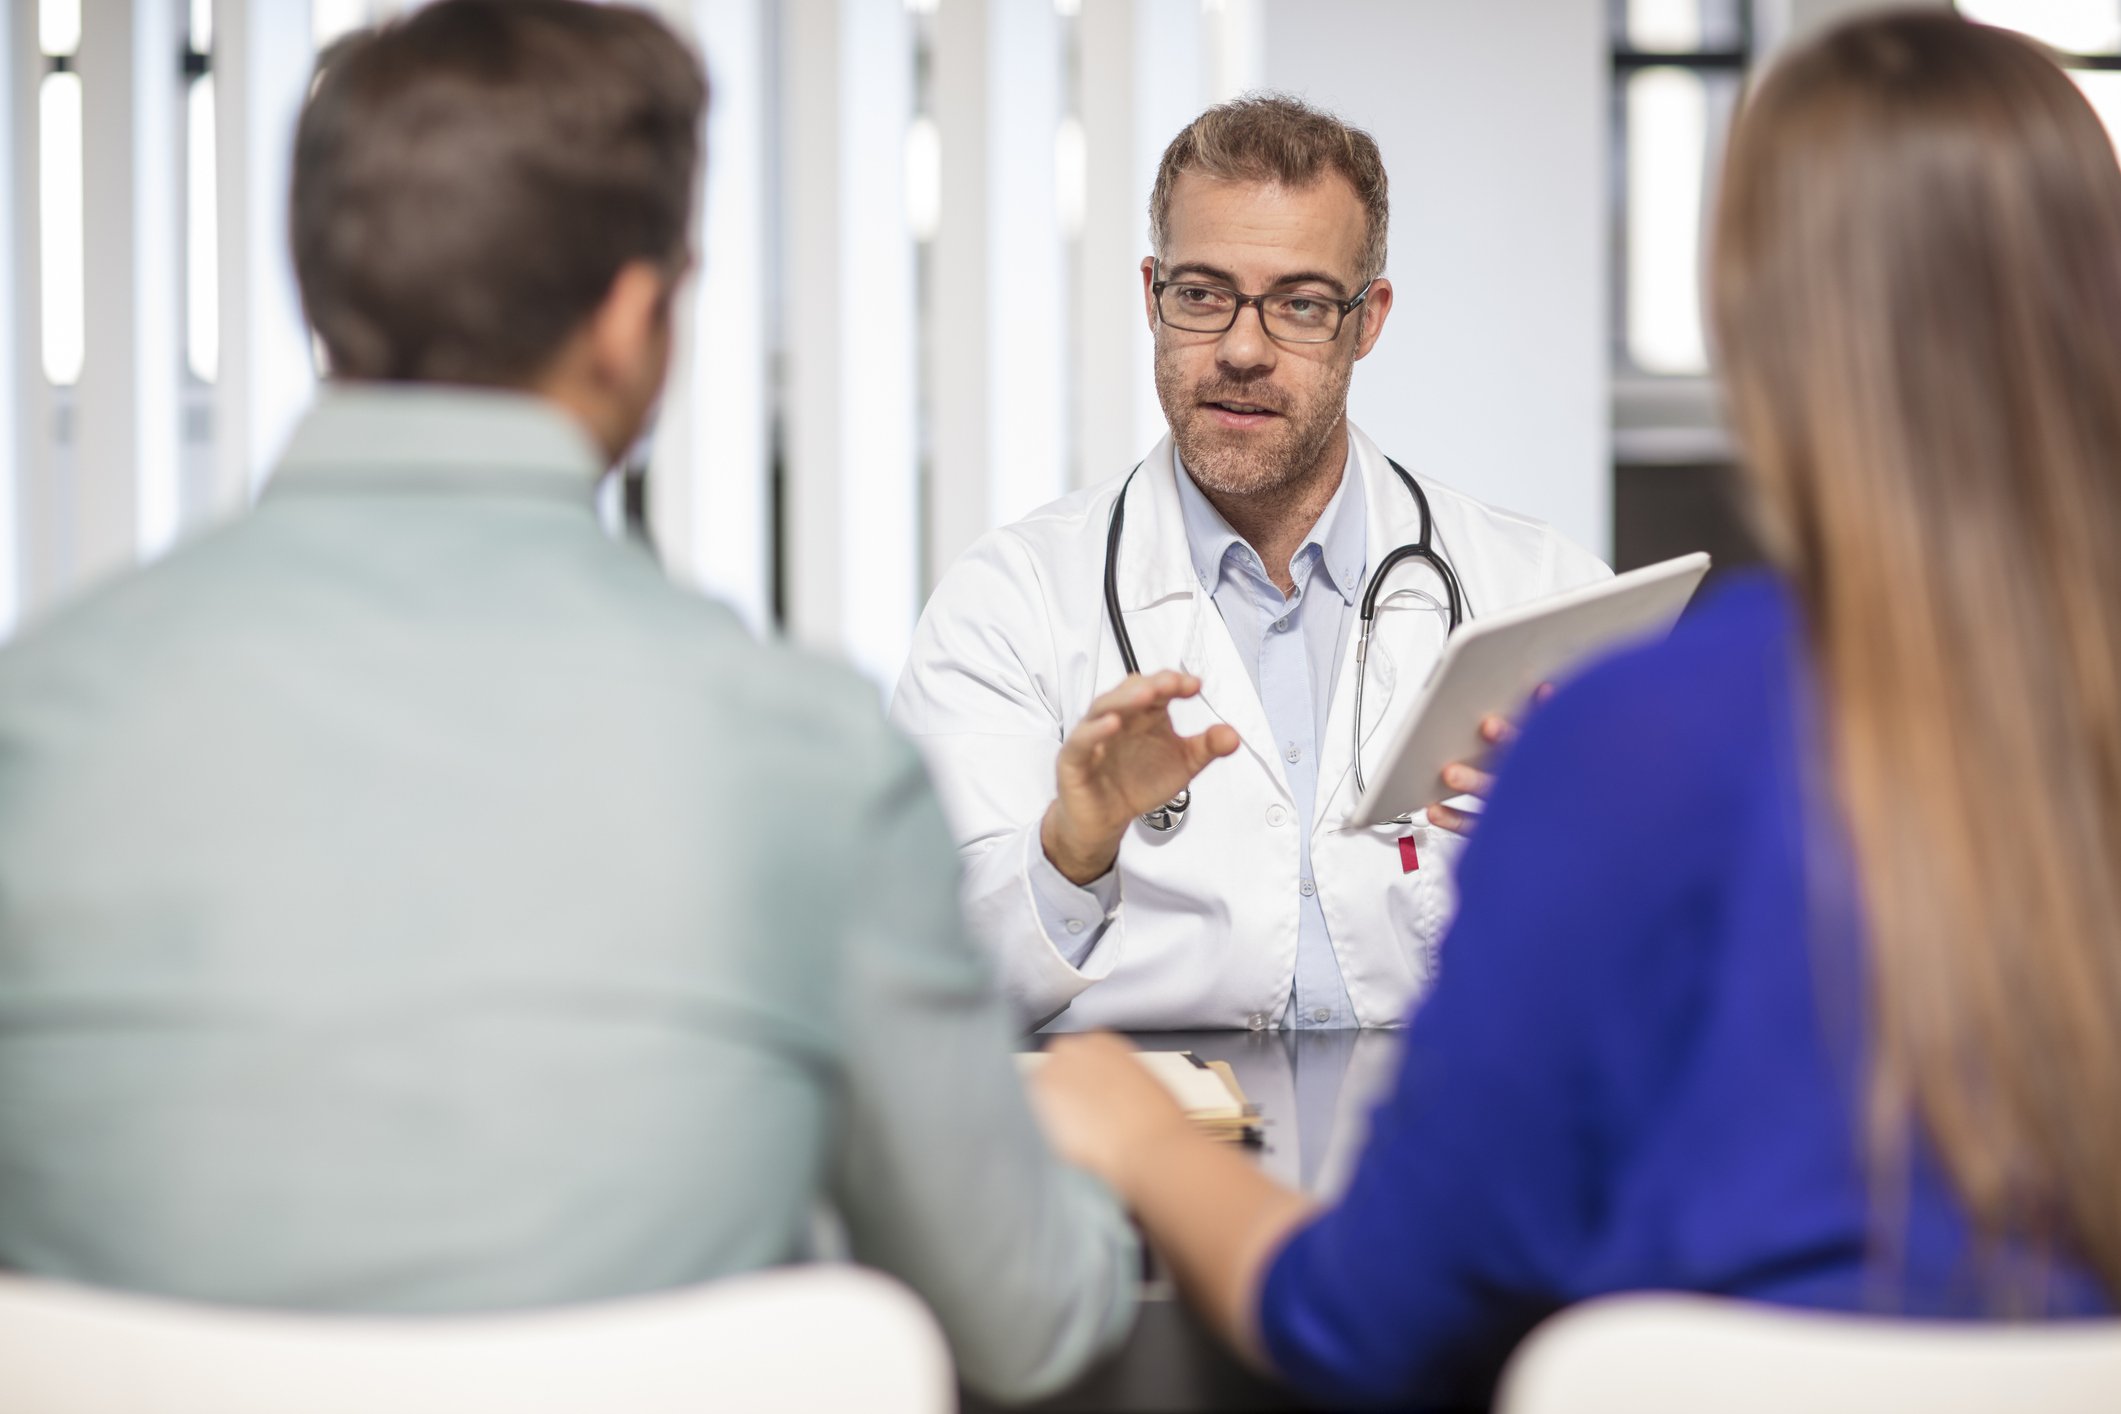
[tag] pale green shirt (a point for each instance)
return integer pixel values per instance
(409, 901)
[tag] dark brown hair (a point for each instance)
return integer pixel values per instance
(1916, 286)
(1270, 137)
(469, 180)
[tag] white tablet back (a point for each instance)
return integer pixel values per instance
(1495, 663)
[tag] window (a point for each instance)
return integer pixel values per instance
(2085, 35)
(1678, 66)
(61, 228)
(202, 241)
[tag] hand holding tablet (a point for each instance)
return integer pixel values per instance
(1495, 663)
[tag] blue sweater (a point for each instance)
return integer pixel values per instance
(1642, 1065)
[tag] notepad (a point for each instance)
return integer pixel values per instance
(1206, 1090)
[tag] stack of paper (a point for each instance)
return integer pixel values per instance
(1206, 1090)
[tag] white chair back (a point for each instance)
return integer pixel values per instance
(1669, 1354)
(799, 1339)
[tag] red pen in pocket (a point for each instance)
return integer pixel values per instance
(1409, 861)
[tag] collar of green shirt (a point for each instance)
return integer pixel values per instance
(410, 436)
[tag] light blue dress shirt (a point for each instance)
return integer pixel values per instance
(1292, 647)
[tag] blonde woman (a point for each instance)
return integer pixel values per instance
(1818, 997)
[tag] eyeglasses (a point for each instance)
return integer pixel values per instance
(1290, 318)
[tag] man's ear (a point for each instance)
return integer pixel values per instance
(1374, 312)
(630, 331)
(1148, 294)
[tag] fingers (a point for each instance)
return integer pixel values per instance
(1090, 733)
(1464, 780)
(1091, 1043)
(1093, 729)
(1458, 822)
(1101, 1108)
(1217, 741)
(1468, 780)
(1146, 692)
(1498, 730)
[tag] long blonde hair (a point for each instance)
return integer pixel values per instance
(1916, 294)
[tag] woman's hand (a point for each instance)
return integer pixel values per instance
(1204, 1205)
(1101, 1108)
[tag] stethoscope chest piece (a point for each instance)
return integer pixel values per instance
(1166, 817)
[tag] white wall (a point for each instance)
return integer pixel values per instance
(1493, 374)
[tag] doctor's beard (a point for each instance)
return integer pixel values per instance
(1275, 458)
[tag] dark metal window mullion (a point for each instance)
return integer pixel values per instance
(1628, 61)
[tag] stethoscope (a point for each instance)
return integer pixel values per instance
(1167, 816)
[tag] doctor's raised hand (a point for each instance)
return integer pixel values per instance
(1123, 759)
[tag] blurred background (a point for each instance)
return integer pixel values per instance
(918, 314)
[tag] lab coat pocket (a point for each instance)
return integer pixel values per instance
(1417, 861)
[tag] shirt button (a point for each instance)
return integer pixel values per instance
(1256, 1021)
(1280, 625)
(1321, 1016)
(1294, 754)
(1307, 888)
(1276, 816)
(1075, 925)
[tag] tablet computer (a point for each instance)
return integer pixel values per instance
(1495, 663)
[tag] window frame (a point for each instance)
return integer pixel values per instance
(1626, 61)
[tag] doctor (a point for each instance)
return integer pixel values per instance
(1232, 564)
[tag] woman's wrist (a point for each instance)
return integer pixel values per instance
(1160, 1148)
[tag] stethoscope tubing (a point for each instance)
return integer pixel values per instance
(1424, 548)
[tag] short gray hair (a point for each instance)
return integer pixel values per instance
(1271, 137)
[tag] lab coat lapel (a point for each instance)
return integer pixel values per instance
(1405, 639)
(1172, 619)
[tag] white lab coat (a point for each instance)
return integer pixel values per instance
(1014, 646)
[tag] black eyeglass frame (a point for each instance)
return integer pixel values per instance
(1345, 306)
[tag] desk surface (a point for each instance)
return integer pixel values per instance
(1314, 1090)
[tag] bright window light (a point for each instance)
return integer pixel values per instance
(1071, 175)
(202, 26)
(924, 178)
(59, 205)
(1667, 126)
(1664, 26)
(2075, 26)
(202, 237)
(59, 26)
(331, 19)
(2103, 88)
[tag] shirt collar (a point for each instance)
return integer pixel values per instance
(397, 436)
(1338, 534)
